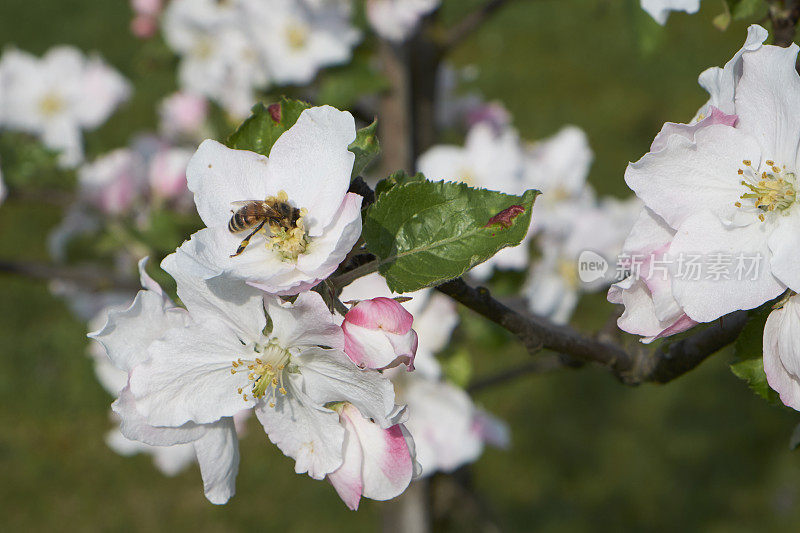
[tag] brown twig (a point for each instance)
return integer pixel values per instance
(540, 365)
(470, 23)
(784, 16)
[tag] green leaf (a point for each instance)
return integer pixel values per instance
(398, 178)
(366, 147)
(749, 364)
(260, 131)
(425, 233)
(723, 20)
(752, 371)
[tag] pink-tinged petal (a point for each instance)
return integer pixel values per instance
(306, 322)
(375, 349)
(219, 176)
(218, 456)
(313, 165)
(689, 130)
(381, 313)
(348, 480)
(387, 462)
(680, 325)
(767, 99)
(707, 298)
(687, 177)
(782, 352)
(784, 243)
(325, 252)
(304, 431)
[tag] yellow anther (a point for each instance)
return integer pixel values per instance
(747, 162)
(741, 171)
(282, 390)
(738, 204)
(770, 163)
(761, 217)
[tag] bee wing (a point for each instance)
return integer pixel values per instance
(243, 203)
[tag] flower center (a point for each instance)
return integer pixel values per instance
(287, 237)
(51, 104)
(296, 35)
(265, 372)
(568, 271)
(773, 189)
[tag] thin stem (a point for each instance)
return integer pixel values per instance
(540, 365)
(345, 279)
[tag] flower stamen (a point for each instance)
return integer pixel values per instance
(774, 189)
(265, 372)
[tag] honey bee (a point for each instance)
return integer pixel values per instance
(257, 213)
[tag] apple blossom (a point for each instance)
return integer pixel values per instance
(218, 58)
(378, 334)
(729, 191)
(112, 182)
(378, 463)
(309, 167)
(782, 351)
(126, 337)
(660, 9)
(167, 173)
(448, 429)
(396, 20)
(295, 38)
(555, 282)
(57, 96)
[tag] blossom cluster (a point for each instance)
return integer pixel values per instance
(335, 392)
(231, 50)
(569, 220)
(58, 96)
(725, 184)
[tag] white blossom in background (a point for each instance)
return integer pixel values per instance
(309, 167)
(232, 50)
(296, 38)
(660, 9)
(558, 167)
(112, 182)
(449, 430)
(58, 96)
(182, 115)
(729, 187)
(218, 59)
(396, 20)
(555, 281)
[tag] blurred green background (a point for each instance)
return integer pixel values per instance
(589, 454)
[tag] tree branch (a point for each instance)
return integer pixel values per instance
(784, 17)
(470, 23)
(540, 365)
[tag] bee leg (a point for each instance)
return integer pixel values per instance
(246, 240)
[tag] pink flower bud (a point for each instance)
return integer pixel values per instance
(378, 334)
(144, 26)
(147, 7)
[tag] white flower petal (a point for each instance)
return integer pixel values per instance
(707, 299)
(304, 431)
(784, 243)
(306, 322)
(329, 376)
(313, 165)
(218, 456)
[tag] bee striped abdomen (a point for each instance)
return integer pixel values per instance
(241, 221)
